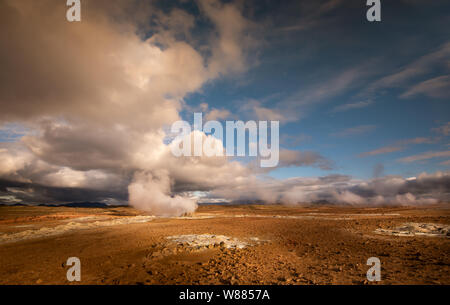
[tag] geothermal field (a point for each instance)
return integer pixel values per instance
(249, 244)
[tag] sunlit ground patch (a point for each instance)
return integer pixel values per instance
(81, 224)
(421, 229)
(205, 241)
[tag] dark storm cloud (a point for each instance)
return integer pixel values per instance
(32, 193)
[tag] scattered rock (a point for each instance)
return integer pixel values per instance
(209, 241)
(156, 254)
(421, 229)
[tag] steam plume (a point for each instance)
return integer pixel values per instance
(148, 192)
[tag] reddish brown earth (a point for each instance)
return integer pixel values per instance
(328, 245)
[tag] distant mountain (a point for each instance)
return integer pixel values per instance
(321, 202)
(85, 204)
(13, 205)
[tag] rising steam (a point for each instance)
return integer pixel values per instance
(150, 192)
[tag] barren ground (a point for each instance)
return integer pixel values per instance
(244, 245)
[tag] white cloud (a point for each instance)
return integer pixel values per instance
(426, 156)
(97, 113)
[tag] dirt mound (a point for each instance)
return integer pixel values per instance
(198, 241)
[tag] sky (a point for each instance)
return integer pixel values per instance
(363, 106)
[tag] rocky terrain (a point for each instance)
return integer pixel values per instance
(225, 245)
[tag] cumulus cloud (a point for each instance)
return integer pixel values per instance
(228, 47)
(98, 108)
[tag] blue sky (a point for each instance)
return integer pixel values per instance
(344, 55)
